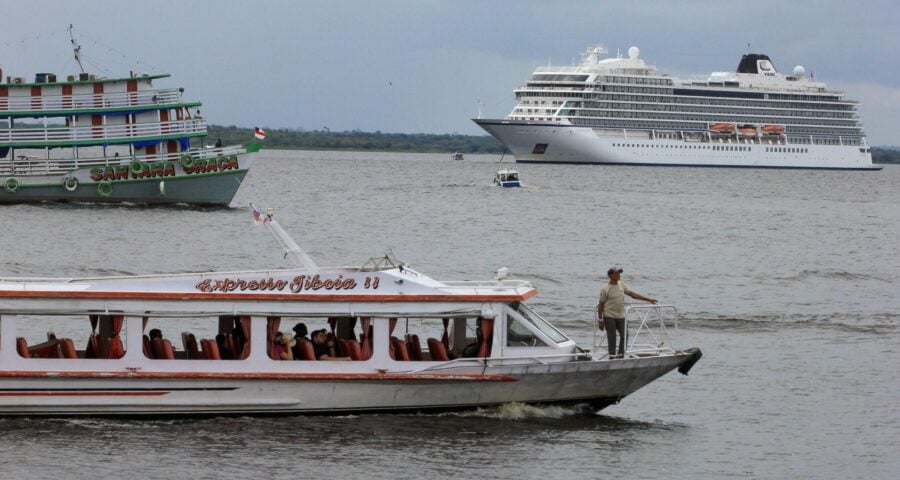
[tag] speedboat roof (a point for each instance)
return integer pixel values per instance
(398, 283)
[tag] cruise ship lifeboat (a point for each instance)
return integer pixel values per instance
(722, 128)
(773, 129)
(747, 130)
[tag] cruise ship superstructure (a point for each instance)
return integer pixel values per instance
(622, 111)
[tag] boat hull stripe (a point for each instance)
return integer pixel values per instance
(263, 376)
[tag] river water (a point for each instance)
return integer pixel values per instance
(787, 280)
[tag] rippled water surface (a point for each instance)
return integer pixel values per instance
(788, 281)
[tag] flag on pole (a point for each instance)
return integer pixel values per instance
(259, 133)
(258, 217)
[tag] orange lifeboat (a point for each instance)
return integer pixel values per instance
(773, 129)
(722, 128)
(747, 130)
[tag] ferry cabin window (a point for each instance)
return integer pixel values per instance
(70, 336)
(549, 330)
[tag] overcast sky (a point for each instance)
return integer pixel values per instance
(404, 66)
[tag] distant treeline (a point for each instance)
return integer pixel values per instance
(885, 155)
(403, 142)
(357, 140)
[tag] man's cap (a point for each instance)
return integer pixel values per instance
(613, 270)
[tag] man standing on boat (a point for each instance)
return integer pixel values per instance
(611, 309)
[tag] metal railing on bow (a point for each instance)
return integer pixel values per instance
(646, 331)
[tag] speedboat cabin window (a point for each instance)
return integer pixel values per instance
(225, 337)
(70, 336)
(530, 316)
(319, 338)
(440, 339)
(518, 335)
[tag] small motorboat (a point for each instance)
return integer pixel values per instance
(457, 156)
(507, 177)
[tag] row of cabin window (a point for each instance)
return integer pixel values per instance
(232, 341)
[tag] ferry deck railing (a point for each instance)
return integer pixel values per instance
(646, 331)
(42, 136)
(55, 166)
(90, 100)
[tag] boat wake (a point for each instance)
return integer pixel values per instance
(522, 411)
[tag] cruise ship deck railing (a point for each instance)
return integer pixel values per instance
(646, 331)
(33, 166)
(90, 100)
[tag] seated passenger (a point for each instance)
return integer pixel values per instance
(300, 333)
(155, 333)
(283, 343)
(324, 348)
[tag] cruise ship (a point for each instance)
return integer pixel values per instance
(622, 111)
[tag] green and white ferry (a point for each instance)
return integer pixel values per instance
(89, 138)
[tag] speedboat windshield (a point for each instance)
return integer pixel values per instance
(541, 324)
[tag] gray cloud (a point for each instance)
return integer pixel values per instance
(404, 66)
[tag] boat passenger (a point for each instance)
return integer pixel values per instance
(324, 348)
(300, 333)
(283, 344)
(611, 309)
(155, 333)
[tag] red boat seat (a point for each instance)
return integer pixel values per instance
(305, 349)
(437, 350)
(401, 353)
(415, 348)
(352, 349)
(48, 349)
(162, 349)
(210, 349)
(67, 348)
(22, 347)
(148, 350)
(189, 341)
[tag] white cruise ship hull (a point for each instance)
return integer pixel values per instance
(550, 142)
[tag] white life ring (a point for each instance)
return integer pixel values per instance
(70, 183)
(11, 184)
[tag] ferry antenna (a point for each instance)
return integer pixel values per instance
(76, 48)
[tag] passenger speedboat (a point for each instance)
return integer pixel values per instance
(507, 177)
(208, 343)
